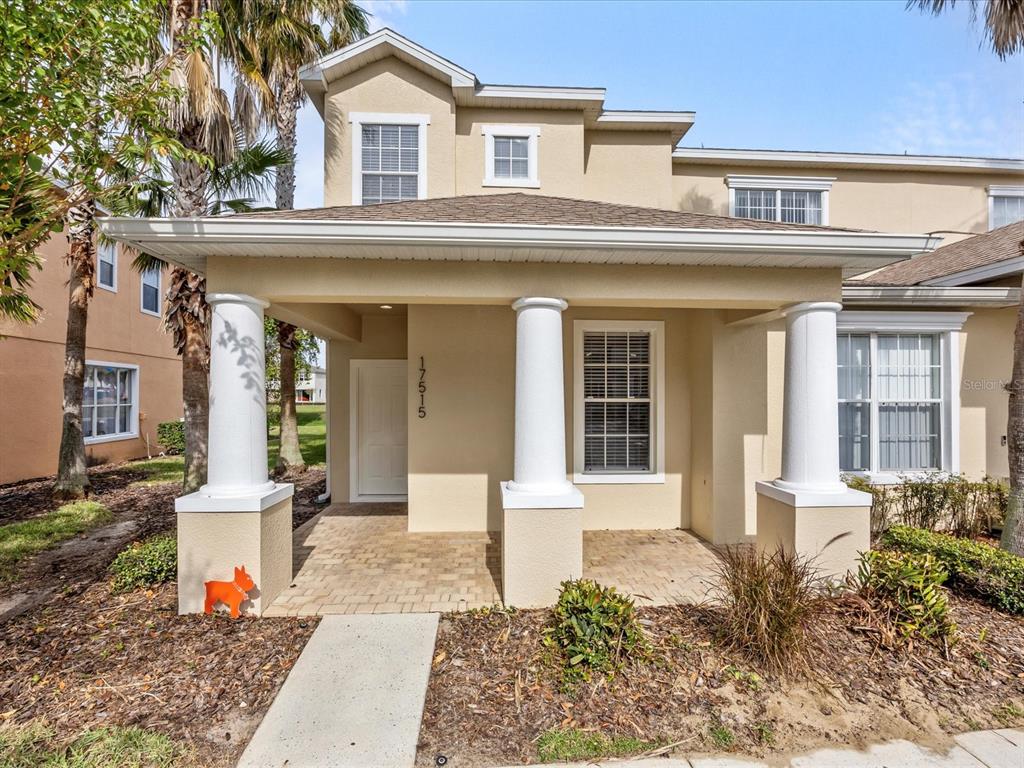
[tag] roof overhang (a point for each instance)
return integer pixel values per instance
(985, 272)
(929, 296)
(782, 158)
(188, 241)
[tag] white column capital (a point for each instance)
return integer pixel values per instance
(527, 302)
(236, 298)
(811, 306)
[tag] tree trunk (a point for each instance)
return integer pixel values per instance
(72, 476)
(289, 458)
(1013, 529)
(288, 101)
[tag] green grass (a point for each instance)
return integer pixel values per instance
(721, 736)
(572, 744)
(30, 537)
(34, 746)
(312, 442)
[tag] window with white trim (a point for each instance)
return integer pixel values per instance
(150, 301)
(617, 412)
(795, 200)
(388, 157)
(106, 266)
(510, 155)
(109, 402)
(1005, 205)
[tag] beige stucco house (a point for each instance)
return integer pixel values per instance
(544, 317)
(132, 377)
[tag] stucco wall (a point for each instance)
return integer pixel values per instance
(629, 167)
(32, 367)
(986, 362)
(886, 201)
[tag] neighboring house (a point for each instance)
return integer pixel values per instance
(312, 388)
(132, 378)
(559, 321)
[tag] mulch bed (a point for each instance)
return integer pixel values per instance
(76, 656)
(494, 689)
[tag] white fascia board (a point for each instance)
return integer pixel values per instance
(980, 274)
(557, 93)
(642, 118)
(148, 233)
(848, 158)
(916, 295)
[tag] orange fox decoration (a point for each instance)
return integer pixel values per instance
(231, 593)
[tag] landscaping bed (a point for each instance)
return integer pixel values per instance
(496, 693)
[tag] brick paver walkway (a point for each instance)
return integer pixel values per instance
(359, 558)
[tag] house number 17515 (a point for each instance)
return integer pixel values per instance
(422, 411)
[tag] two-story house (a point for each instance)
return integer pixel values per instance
(132, 375)
(544, 317)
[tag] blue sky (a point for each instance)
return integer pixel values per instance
(864, 76)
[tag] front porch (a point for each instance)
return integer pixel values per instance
(361, 558)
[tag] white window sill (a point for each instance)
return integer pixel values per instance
(895, 478)
(111, 438)
(518, 183)
(655, 478)
(150, 312)
(111, 288)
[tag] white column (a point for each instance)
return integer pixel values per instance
(810, 417)
(540, 398)
(238, 399)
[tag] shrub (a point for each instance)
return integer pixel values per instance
(939, 502)
(905, 592)
(768, 601)
(145, 564)
(171, 435)
(974, 567)
(595, 629)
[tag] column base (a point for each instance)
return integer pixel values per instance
(832, 529)
(541, 546)
(217, 534)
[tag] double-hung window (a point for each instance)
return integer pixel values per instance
(150, 301)
(790, 199)
(898, 396)
(110, 402)
(618, 413)
(106, 266)
(510, 155)
(389, 157)
(1005, 205)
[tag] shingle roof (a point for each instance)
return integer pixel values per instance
(521, 208)
(978, 251)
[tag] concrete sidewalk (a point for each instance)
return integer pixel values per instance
(980, 749)
(354, 698)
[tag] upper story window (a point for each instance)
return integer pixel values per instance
(110, 402)
(106, 262)
(388, 157)
(150, 303)
(510, 155)
(791, 199)
(898, 399)
(1005, 205)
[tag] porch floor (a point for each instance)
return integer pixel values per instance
(359, 558)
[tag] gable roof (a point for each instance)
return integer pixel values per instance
(469, 91)
(532, 210)
(974, 259)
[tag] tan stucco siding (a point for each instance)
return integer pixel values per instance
(629, 167)
(986, 362)
(886, 201)
(388, 86)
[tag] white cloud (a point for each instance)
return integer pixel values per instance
(384, 12)
(947, 117)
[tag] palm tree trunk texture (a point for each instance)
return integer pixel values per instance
(288, 101)
(289, 458)
(1013, 530)
(72, 478)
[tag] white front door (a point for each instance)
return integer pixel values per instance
(380, 399)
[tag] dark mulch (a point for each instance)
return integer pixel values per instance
(493, 689)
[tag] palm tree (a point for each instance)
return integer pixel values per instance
(1004, 28)
(269, 42)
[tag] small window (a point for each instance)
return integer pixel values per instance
(106, 272)
(510, 156)
(1005, 209)
(109, 408)
(151, 291)
(794, 200)
(390, 163)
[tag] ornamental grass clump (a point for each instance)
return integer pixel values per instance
(594, 630)
(768, 601)
(905, 596)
